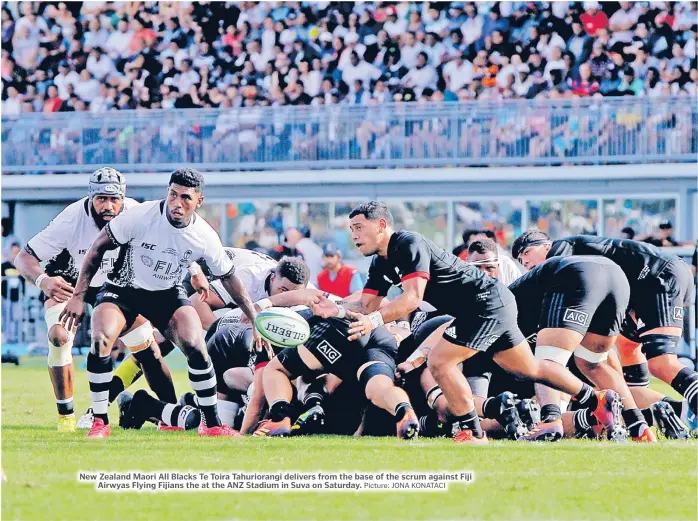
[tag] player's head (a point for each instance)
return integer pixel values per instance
(107, 189)
(185, 194)
(371, 226)
(483, 255)
(531, 247)
(332, 256)
(291, 273)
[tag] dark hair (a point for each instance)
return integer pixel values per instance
(527, 239)
(468, 233)
(373, 210)
(629, 232)
(293, 269)
(483, 246)
(489, 234)
(188, 177)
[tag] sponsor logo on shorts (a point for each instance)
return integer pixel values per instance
(487, 342)
(640, 323)
(576, 316)
(328, 351)
(532, 339)
(109, 295)
(678, 313)
(451, 331)
(147, 260)
(645, 271)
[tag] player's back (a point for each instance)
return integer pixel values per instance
(637, 259)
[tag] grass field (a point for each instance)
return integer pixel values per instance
(569, 480)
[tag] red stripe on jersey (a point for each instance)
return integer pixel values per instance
(422, 274)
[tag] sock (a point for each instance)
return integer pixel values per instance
(157, 374)
(634, 420)
(680, 407)
(468, 421)
(315, 394)
(128, 372)
(686, 384)
(648, 416)
(429, 425)
(550, 413)
(183, 416)
(583, 423)
(491, 408)
(400, 410)
(279, 410)
(116, 387)
(65, 407)
(587, 397)
(203, 381)
(166, 347)
(99, 375)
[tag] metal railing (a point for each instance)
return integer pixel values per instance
(519, 132)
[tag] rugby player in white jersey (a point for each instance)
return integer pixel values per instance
(158, 240)
(62, 245)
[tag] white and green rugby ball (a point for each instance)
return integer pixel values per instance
(283, 327)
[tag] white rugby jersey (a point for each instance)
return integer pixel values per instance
(253, 269)
(155, 255)
(65, 241)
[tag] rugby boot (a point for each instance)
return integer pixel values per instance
(508, 417)
(311, 421)
(85, 421)
(408, 427)
(608, 413)
(66, 423)
(99, 430)
(546, 431)
(466, 436)
(668, 423)
(529, 412)
(279, 429)
(647, 436)
(218, 430)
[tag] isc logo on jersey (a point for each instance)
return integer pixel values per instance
(576, 316)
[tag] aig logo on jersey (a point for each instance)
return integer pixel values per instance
(328, 351)
(576, 316)
(678, 313)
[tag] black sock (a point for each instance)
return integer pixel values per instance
(634, 420)
(279, 410)
(550, 413)
(429, 425)
(99, 375)
(166, 347)
(65, 407)
(648, 416)
(400, 410)
(491, 408)
(203, 381)
(468, 421)
(183, 416)
(116, 388)
(315, 394)
(156, 373)
(587, 397)
(583, 423)
(677, 405)
(686, 384)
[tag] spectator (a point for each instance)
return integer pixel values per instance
(627, 233)
(593, 18)
(338, 278)
(666, 229)
(13, 288)
(99, 64)
(422, 76)
(12, 106)
(300, 240)
(458, 73)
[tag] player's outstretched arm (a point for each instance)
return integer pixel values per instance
(72, 314)
(238, 292)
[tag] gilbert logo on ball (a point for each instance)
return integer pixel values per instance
(282, 327)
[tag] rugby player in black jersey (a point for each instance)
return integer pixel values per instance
(660, 288)
(484, 312)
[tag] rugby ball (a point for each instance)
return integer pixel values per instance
(282, 327)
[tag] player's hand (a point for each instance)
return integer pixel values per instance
(200, 283)
(71, 315)
(402, 370)
(324, 307)
(261, 343)
(360, 326)
(56, 288)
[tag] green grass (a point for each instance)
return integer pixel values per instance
(567, 480)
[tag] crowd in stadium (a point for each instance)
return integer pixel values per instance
(101, 56)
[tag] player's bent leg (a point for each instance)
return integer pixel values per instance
(591, 357)
(443, 364)
(60, 366)
(660, 347)
(108, 322)
(136, 409)
(313, 395)
(377, 379)
(604, 406)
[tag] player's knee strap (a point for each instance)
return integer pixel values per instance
(433, 394)
(52, 317)
(374, 369)
(138, 339)
(590, 356)
(60, 356)
(554, 354)
(658, 345)
(637, 375)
